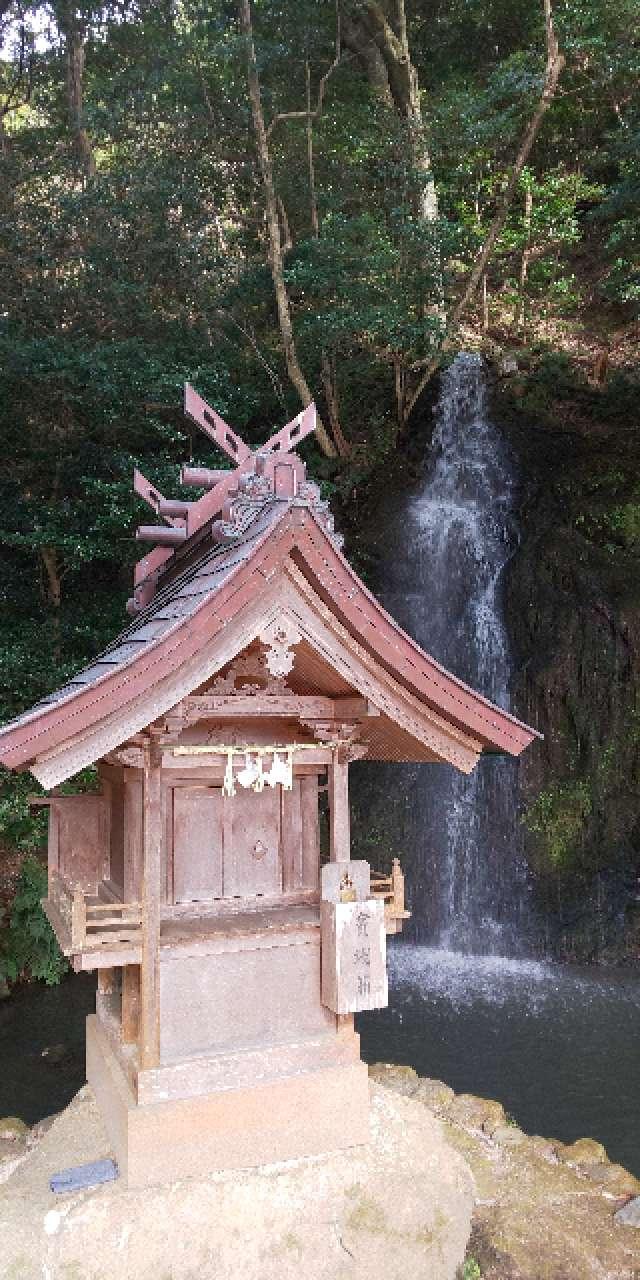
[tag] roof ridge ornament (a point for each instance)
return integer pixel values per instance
(257, 474)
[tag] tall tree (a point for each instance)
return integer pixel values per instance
(377, 34)
(73, 24)
(276, 256)
(555, 61)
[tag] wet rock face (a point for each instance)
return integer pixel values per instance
(573, 614)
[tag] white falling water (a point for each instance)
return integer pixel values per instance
(444, 584)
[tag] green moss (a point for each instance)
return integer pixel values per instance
(470, 1270)
(367, 1215)
(558, 817)
(291, 1241)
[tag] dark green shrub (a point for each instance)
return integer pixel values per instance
(28, 947)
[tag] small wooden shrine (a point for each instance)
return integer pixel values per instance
(230, 962)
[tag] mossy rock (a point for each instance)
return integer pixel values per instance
(612, 1178)
(582, 1151)
(401, 1079)
(435, 1094)
(477, 1113)
(508, 1135)
(543, 1147)
(12, 1129)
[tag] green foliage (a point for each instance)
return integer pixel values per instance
(619, 215)
(558, 817)
(23, 826)
(624, 522)
(20, 826)
(469, 1270)
(28, 948)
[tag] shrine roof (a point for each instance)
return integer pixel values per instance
(174, 602)
(201, 597)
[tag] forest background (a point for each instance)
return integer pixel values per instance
(276, 202)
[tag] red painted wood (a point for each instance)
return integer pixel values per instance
(289, 437)
(45, 729)
(341, 590)
(83, 825)
(214, 426)
(253, 863)
(211, 503)
(291, 828)
(197, 843)
(149, 494)
(338, 585)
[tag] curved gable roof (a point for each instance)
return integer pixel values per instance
(203, 599)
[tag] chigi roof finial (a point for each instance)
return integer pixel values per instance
(184, 518)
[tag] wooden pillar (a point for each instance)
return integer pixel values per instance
(130, 1003)
(339, 816)
(150, 901)
(105, 981)
(106, 986)
(53, 853)
(78, 920)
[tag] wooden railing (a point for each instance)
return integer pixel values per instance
(84, 923)
(391, 890)
(90, 924)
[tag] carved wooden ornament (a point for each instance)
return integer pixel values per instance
(279, 637)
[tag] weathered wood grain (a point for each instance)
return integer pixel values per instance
(149, 1051)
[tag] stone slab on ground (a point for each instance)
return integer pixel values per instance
(399, 1207)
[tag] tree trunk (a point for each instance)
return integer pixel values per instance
(49, 558)
(377, 34)
(524, 261)
(315, 222)
(333, 408)
(74, 33)
(554, 65)
(399, 380)
(276, 260)
(53, 593)
(287, 243)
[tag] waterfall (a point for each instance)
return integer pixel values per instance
(443, 582)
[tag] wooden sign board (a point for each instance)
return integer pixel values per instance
(353, 956)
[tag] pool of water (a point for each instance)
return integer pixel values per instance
(42, 1035)
(558, 1046)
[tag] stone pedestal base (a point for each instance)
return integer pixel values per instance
(304, 1113)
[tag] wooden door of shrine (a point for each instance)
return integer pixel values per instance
(224, 846)
(195, 831)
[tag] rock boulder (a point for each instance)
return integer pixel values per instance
(399, 1207)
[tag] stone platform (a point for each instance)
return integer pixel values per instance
(399, 1206)
(282, 1115)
